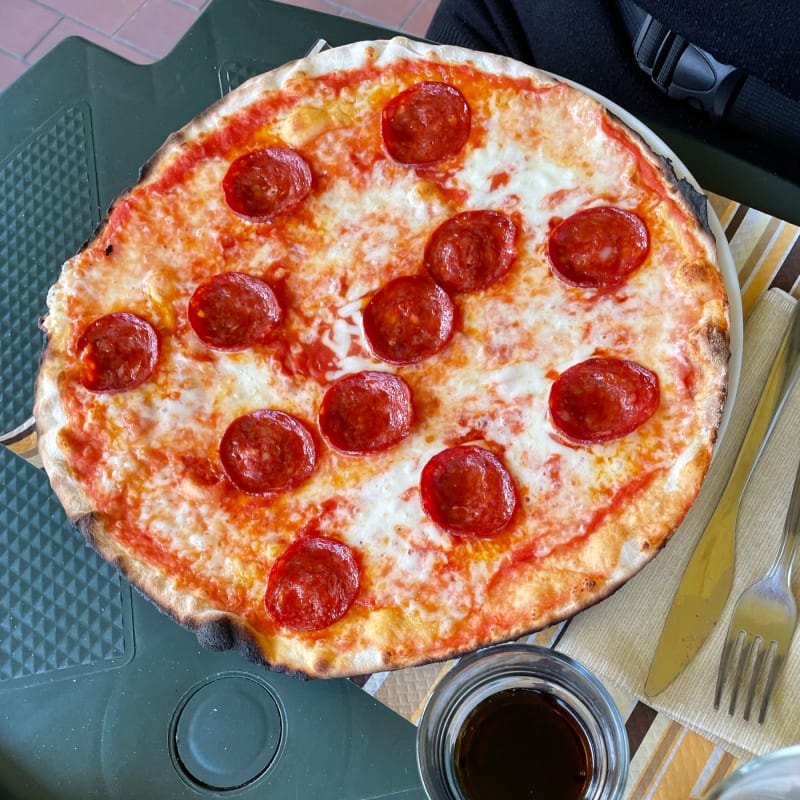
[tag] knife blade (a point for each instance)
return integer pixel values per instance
(706, 583)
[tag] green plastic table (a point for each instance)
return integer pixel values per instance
(101, 696)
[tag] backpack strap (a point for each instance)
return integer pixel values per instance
(726, 93)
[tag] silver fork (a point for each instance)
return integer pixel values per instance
(763, 624)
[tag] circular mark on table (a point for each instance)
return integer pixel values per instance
(225, 733)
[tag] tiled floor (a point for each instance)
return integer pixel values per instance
(146, 30)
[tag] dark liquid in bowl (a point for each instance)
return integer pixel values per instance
(522, 744)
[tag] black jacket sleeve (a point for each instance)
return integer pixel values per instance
(586, 41)
(586, 38)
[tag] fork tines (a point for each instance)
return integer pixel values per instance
(754, 663)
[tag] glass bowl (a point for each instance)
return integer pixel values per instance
(465, 751)
(774, 776)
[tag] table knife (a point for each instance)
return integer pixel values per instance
(706, 583)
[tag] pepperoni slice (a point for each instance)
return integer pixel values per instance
(366, 412)
(471, 250)
(468, 491)
(409, 320)
(232, 311)
(263, 184)
(599, 247)
(117, 352)
(427, 123)
(312, 584)
(267, 451)
(602, 399)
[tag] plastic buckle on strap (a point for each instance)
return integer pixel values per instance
(683, 71)
(652, 48)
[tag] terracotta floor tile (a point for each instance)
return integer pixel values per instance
(103, 15)
(10, 69)
(315, 5)
(143, 30)
(417, 23)
(391, 13)
(68, 27)
(197, 5)
(157, 26)
(23, 25)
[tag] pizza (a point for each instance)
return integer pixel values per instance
(395, 351)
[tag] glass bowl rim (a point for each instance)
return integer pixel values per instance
(491, 665)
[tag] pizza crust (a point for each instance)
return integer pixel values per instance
(534, 594)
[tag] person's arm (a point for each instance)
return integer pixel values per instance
(587, 42)
(480, 25)
(584, 40)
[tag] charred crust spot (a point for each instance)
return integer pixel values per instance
(718, 345)
(282, 670)
(322, 667)
(109, 249)
(694, 199)
(698, 271)
(102, 225)
(171, 143)
(216, 635)
(146, 168)
(87, 525)
(227, 632)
